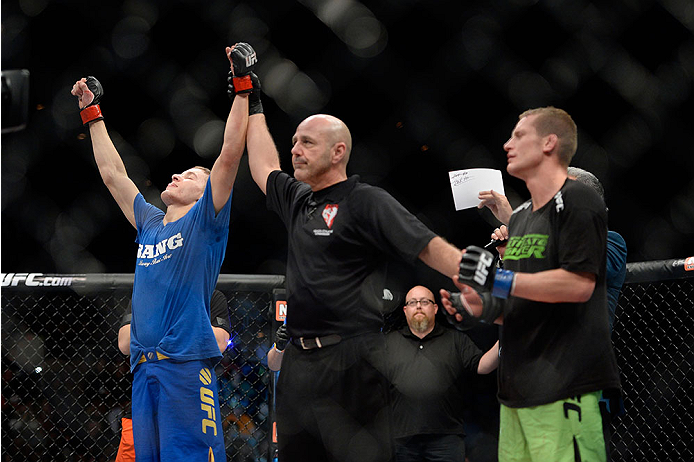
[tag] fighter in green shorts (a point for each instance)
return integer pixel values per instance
(563, 431)
(555, 350)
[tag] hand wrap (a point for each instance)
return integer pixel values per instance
(255, 106)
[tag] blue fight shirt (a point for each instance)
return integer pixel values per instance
(176, 272)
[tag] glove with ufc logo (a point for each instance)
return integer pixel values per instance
(243, 61)
(477, 270)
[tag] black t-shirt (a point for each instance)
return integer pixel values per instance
(551, 351)
(219, 317)
(339, 239)
(428, 380)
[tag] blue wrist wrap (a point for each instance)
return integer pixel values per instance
(503, 282)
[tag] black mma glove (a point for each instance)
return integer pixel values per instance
(243, 60)
(492, 308)
(477, 269)
(468, 321)
(92, 111)
(255, 106)
(281, 338)
(230, 86)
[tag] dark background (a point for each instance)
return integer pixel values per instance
(425, 87)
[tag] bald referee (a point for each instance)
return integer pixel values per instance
(332, 395)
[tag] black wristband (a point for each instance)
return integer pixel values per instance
(254, 106)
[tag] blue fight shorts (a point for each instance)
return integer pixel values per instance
(175, 409)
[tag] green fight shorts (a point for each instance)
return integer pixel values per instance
(568, 430)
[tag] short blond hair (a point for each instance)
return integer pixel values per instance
(551, 120)
(204, 169)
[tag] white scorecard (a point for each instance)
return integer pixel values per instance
(466, 184)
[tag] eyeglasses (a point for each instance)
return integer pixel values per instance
(424, 302)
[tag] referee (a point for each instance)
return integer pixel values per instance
(332, 394)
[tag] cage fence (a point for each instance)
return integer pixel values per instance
(65, 384)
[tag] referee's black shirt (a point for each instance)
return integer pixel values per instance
(339, 238)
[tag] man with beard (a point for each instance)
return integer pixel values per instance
(427, 365)
(332, 394)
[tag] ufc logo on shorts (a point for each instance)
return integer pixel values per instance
(207, 403)
(251, 59)
(482, 270)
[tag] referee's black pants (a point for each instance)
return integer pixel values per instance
(333, 403)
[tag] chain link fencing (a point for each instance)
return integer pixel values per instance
(654, 338)
(65, 384)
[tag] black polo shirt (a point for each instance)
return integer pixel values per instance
(428, 380)
(339, 239)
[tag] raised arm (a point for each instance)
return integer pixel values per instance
(263, 157)
(262, 152)
(108, 161)
(225, 168)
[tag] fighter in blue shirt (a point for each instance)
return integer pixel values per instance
(180, 252)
